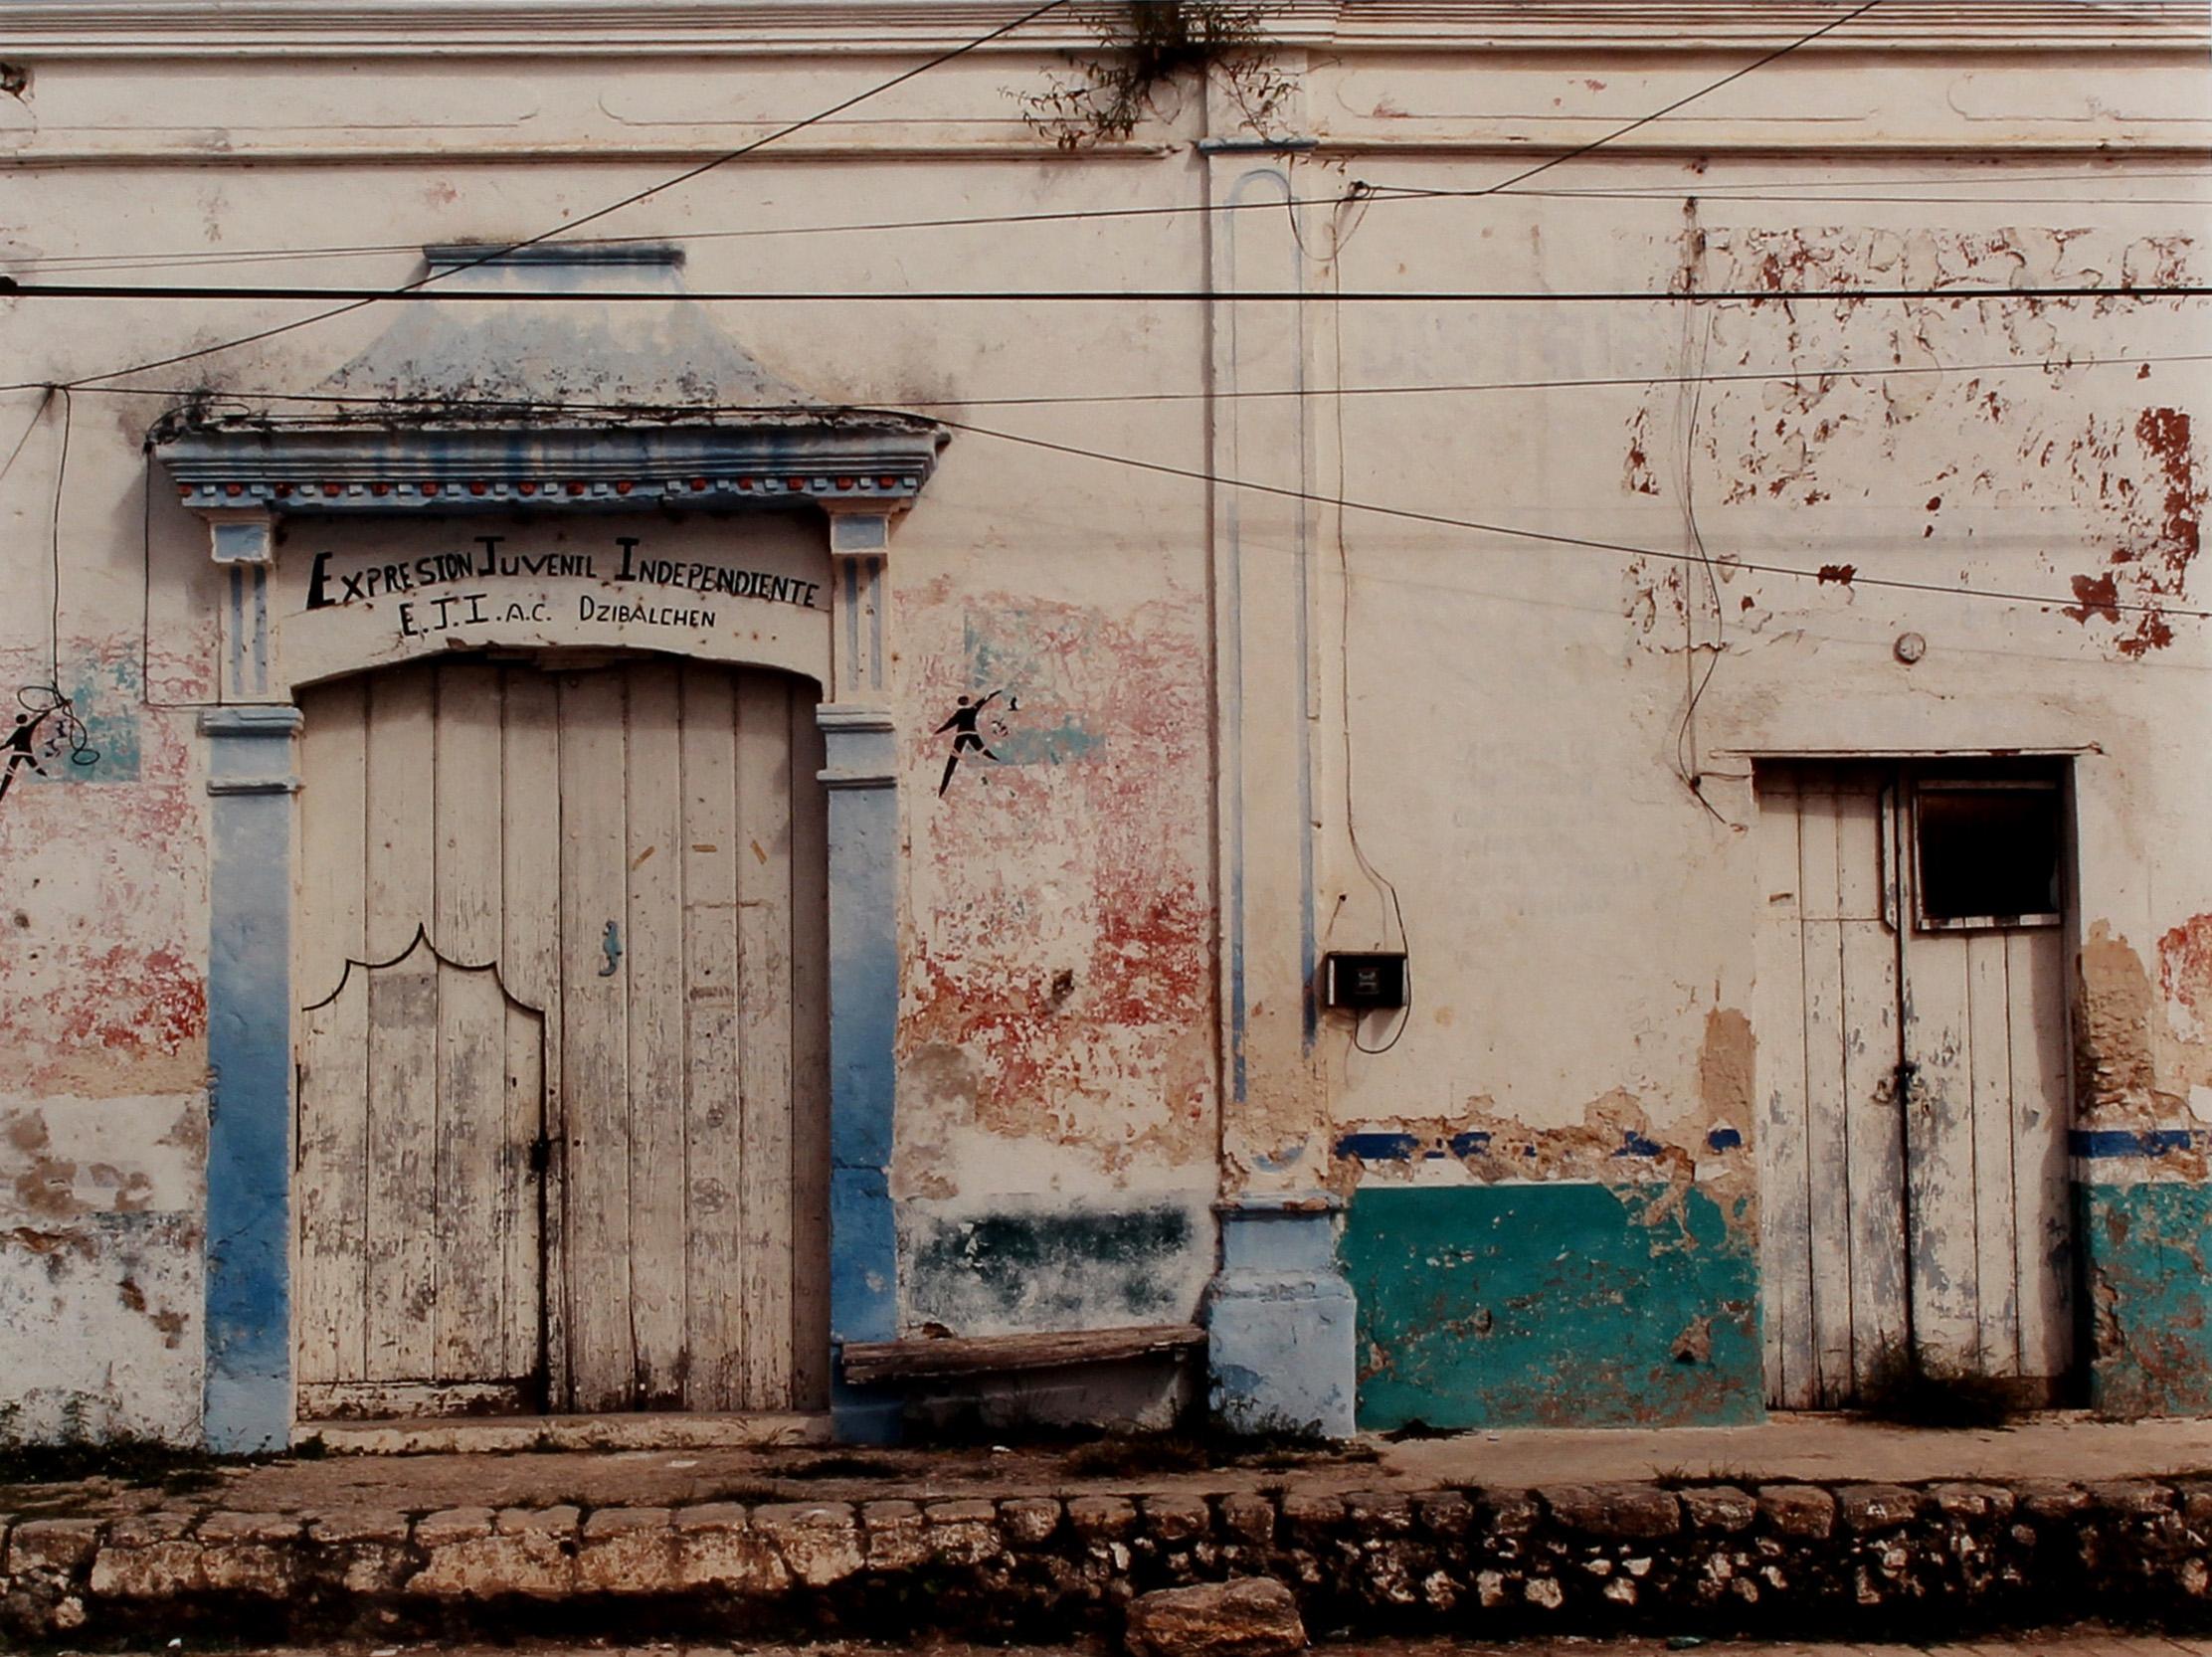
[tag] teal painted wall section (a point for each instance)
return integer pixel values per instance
(1553, 1305)
(2151, 1299)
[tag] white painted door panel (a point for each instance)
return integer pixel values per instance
(1930, 1222)
(594, 1174)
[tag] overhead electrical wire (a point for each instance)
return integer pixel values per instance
(495, 252)
(1754, 190)
(566, 226)
(358, 297)
(1831, 575)
(1795, 375)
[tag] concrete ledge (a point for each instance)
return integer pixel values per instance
(1821, 1559)
(498, 1435)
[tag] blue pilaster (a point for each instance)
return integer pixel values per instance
(249, 991)
(1281, 1324)
(862, 778)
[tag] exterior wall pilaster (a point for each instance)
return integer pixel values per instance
(249, 1215)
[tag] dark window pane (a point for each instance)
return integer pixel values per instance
(1988, 852)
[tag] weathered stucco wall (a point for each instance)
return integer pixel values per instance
(1552, 745)
(1218, 721)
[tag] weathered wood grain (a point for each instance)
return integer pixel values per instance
(652, 971)
(331, 1178)
(403, 1031)
(714, 1123)
(595, 1048)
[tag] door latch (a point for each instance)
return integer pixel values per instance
(1905, 1072)
(611, 946)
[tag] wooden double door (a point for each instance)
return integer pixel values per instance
(1915, 1077)
(562, 1067)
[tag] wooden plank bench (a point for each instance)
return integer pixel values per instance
(870, 1361)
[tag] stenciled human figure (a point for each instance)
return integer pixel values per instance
(967, 739)
(18, 748)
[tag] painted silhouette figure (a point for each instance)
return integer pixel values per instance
(18, 748)
(966, 738)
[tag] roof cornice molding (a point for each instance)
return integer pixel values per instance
(564, 28)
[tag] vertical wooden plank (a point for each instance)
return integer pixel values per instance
(470, 1170)
(810, 1057)
(653, 961)
(713, 1122)
(529, 964)
(1827, 1108)
(331, 1183)
(765, 1031)
(1873, 1175)
(1989, 1076)
(403, 1031)
(1940, 1155)
(1785, 1223)
(2042, 1111)
(594, 1055)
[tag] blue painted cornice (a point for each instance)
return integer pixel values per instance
(838, 461)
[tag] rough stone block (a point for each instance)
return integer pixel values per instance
(2133, 1498)
(442, 1529)
(248, 1527)
(897, 1538)
(1102, 1518)
(1177, 1518)
(1030, 1520)
(56, 1546)
(1614, 1510)
(628, 1551)
(1510, 1513)
(555, 1522)
(1378, 1511)
(147, 1570)
(1971, 1501)
(142, 1529)
(1719, 1507)
(717, 1549)
(820, 1541)
(1254, 1616)
(262, 1569)
(371, 1525)
(1877, 1507)
(1249, 1518)
(963, 1532)
(1798, 1510)
(535, 1564)
(1445, 1513)
(1312, 1509)
(2050, 1498)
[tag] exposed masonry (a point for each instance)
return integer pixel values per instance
(1563, 1559)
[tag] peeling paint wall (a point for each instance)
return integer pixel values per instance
(1213, 731)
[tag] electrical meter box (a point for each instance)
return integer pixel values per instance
(1364, 983)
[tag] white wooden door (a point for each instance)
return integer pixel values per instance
(563, 1122)
(1913, 1063)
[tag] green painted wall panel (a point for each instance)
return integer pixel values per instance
(2150, 1298)
(1553, 1305)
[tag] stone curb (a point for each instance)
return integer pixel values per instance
(1797, 1559)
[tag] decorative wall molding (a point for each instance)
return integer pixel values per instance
(566, 28)
(363, 468)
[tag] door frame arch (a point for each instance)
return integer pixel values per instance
(241, 479)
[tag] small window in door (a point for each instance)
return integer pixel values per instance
(1986, 853)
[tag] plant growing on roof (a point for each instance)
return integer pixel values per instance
(1147, 44)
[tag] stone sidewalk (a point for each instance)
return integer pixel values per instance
(1803, 1528)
